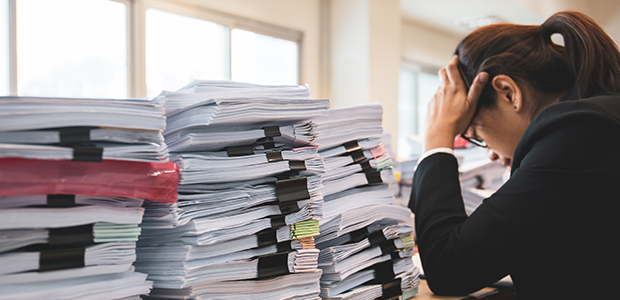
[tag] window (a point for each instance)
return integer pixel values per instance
(263, 59)
(180, 49)
(417, 86)
(135, 48)
(71, 48)
(5, 57)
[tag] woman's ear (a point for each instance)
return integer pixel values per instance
(508, 92)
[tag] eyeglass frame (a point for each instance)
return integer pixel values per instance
(474, 141)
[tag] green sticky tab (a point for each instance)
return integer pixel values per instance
(115, 239)
(410, 293)
(408, 241)
(110, 232)
(303, 229)
(384, 163)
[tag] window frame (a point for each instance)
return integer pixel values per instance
(12, 48)
(416, 68)
(136, 37)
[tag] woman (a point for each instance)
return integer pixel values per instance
(552, 113)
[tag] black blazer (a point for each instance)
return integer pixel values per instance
(554, 226)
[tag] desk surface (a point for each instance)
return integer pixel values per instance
(424, 293)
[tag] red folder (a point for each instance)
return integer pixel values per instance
(151, 181)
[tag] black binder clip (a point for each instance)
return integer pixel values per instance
(288, 207)
(60, 200)
(352, 146)
(272, 131)
(297, 165)
(392, 289)
(87, 153)
(384, 271)
(278, 221)
(376, 237)
(76, 235)
(50, 260)
(374, 177)
(74, 135)
(388, 247)
(273, 156)
(293, 189)
(267, 237)
(273, 265)
(240, 151)
(358, 235)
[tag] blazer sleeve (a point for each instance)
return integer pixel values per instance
(463, 254)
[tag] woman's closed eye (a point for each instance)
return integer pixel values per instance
(471, 136)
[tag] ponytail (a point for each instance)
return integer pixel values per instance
(591, 54)
(587, 64)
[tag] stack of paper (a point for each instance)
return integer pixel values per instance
(250, 195)
(70, 246)
(479, 176)
(82, 129)
(75, 175)
(366, 241)
(352, 123)
(226, 89)
(294, 286)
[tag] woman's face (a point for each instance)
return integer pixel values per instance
(501, 128)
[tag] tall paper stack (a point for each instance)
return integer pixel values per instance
(250, 195)
(366, 241)
(75, 173)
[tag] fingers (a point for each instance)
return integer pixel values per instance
(477, 87)
(443, 77)
(453, 73)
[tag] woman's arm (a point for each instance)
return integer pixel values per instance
(560, 193)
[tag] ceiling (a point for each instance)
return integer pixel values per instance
(444, 14)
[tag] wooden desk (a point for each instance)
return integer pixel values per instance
(424, 293)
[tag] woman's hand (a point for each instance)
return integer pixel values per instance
(452, 108)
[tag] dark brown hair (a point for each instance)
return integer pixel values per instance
(587, 64)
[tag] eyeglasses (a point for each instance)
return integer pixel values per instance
(475, 141)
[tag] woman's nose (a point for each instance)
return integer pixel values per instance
(492, 155)
(503, 160)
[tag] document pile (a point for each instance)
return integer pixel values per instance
(250, 195)
(82, 129)
(479, 176)
(365, 240)
(75, 174)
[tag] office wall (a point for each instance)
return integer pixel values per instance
(605, 12)
(349, 52)
(365, 56)
(301, 15)
(427, 46)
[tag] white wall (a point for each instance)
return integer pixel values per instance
(604, 12)
(349, 52)
(385, 60)
(426, 45)
(365, 55)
